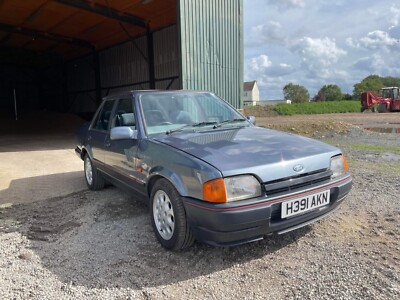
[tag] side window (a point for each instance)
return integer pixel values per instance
(103, 118)
(124, 114)
(395, 93)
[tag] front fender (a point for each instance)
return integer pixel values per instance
(170, 175)
(185, 172)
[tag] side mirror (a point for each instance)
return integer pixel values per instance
(123, 133)
(252, 119)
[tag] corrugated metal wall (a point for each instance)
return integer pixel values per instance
(211, 47)
(124, 65)
(81, 85)
(166, 58)
(122, 68)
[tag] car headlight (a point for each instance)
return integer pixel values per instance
(339, 166)
(231, 189)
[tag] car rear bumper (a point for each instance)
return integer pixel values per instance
(232, 223)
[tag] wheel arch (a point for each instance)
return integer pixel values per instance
(86, 150)
(172, 177)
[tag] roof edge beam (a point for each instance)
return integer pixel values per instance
(45, 35)
(106, 12)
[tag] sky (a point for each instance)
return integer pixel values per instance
(319, 42)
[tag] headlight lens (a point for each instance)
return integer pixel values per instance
(242, 187)
(339, 166)
(231, 189)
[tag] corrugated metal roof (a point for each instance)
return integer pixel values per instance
(73, 28)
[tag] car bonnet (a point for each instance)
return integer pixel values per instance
(267, 153)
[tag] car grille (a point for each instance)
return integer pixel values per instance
(292, 184)
(296, 182)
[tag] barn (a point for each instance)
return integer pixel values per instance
(59, 58)
(65, 55)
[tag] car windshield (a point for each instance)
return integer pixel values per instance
(168, 112)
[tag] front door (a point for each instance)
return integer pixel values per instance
(99, 131)
(120, 155)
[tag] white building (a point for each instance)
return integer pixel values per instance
(251, 94)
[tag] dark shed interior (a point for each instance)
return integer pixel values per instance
(65, 55)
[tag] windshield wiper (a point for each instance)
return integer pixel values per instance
(191, 125)
(203, 124)
(228, 121)
(177, 129)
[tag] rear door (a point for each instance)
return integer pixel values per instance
(98, 132)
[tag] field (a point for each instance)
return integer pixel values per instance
(327, 107)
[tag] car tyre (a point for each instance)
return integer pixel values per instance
(168, 217)
(93, 178)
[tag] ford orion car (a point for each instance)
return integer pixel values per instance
(206, 171)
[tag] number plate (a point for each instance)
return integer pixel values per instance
(303, 204)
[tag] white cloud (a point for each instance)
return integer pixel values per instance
(379, 64)
(259, 64)
(288, 3)
(262, 65)
(305, 42)
(370, 64)
(395, 11)
(375, 40)
(319, 58)
(322, 51)
(271, 32)
(352, 43)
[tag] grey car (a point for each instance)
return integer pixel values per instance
(207, 172)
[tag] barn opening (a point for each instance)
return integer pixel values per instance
(65, 55)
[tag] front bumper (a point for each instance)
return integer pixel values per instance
(244, 221)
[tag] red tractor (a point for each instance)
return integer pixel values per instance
(387, 100)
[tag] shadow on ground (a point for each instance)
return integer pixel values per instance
(38, 130)
(42, 187)
(104, 240)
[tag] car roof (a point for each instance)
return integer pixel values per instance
(132, 92)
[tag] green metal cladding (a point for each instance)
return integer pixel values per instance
(211, 45)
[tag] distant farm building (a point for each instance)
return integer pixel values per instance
(251, 93)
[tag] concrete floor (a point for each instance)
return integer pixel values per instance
(37, 158)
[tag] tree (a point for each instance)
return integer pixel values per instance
(330, 92)
(347, 97)
(370, 83)
(296, 93)
(390, 81)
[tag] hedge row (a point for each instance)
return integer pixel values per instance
(327, 107)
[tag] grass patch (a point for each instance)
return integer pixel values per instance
(364, 147)
(327, 107)
(310, 128)
(390, 168)
(375, 148)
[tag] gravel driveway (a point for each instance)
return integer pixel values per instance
(100, 245)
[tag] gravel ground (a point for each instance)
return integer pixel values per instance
(100, 245)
